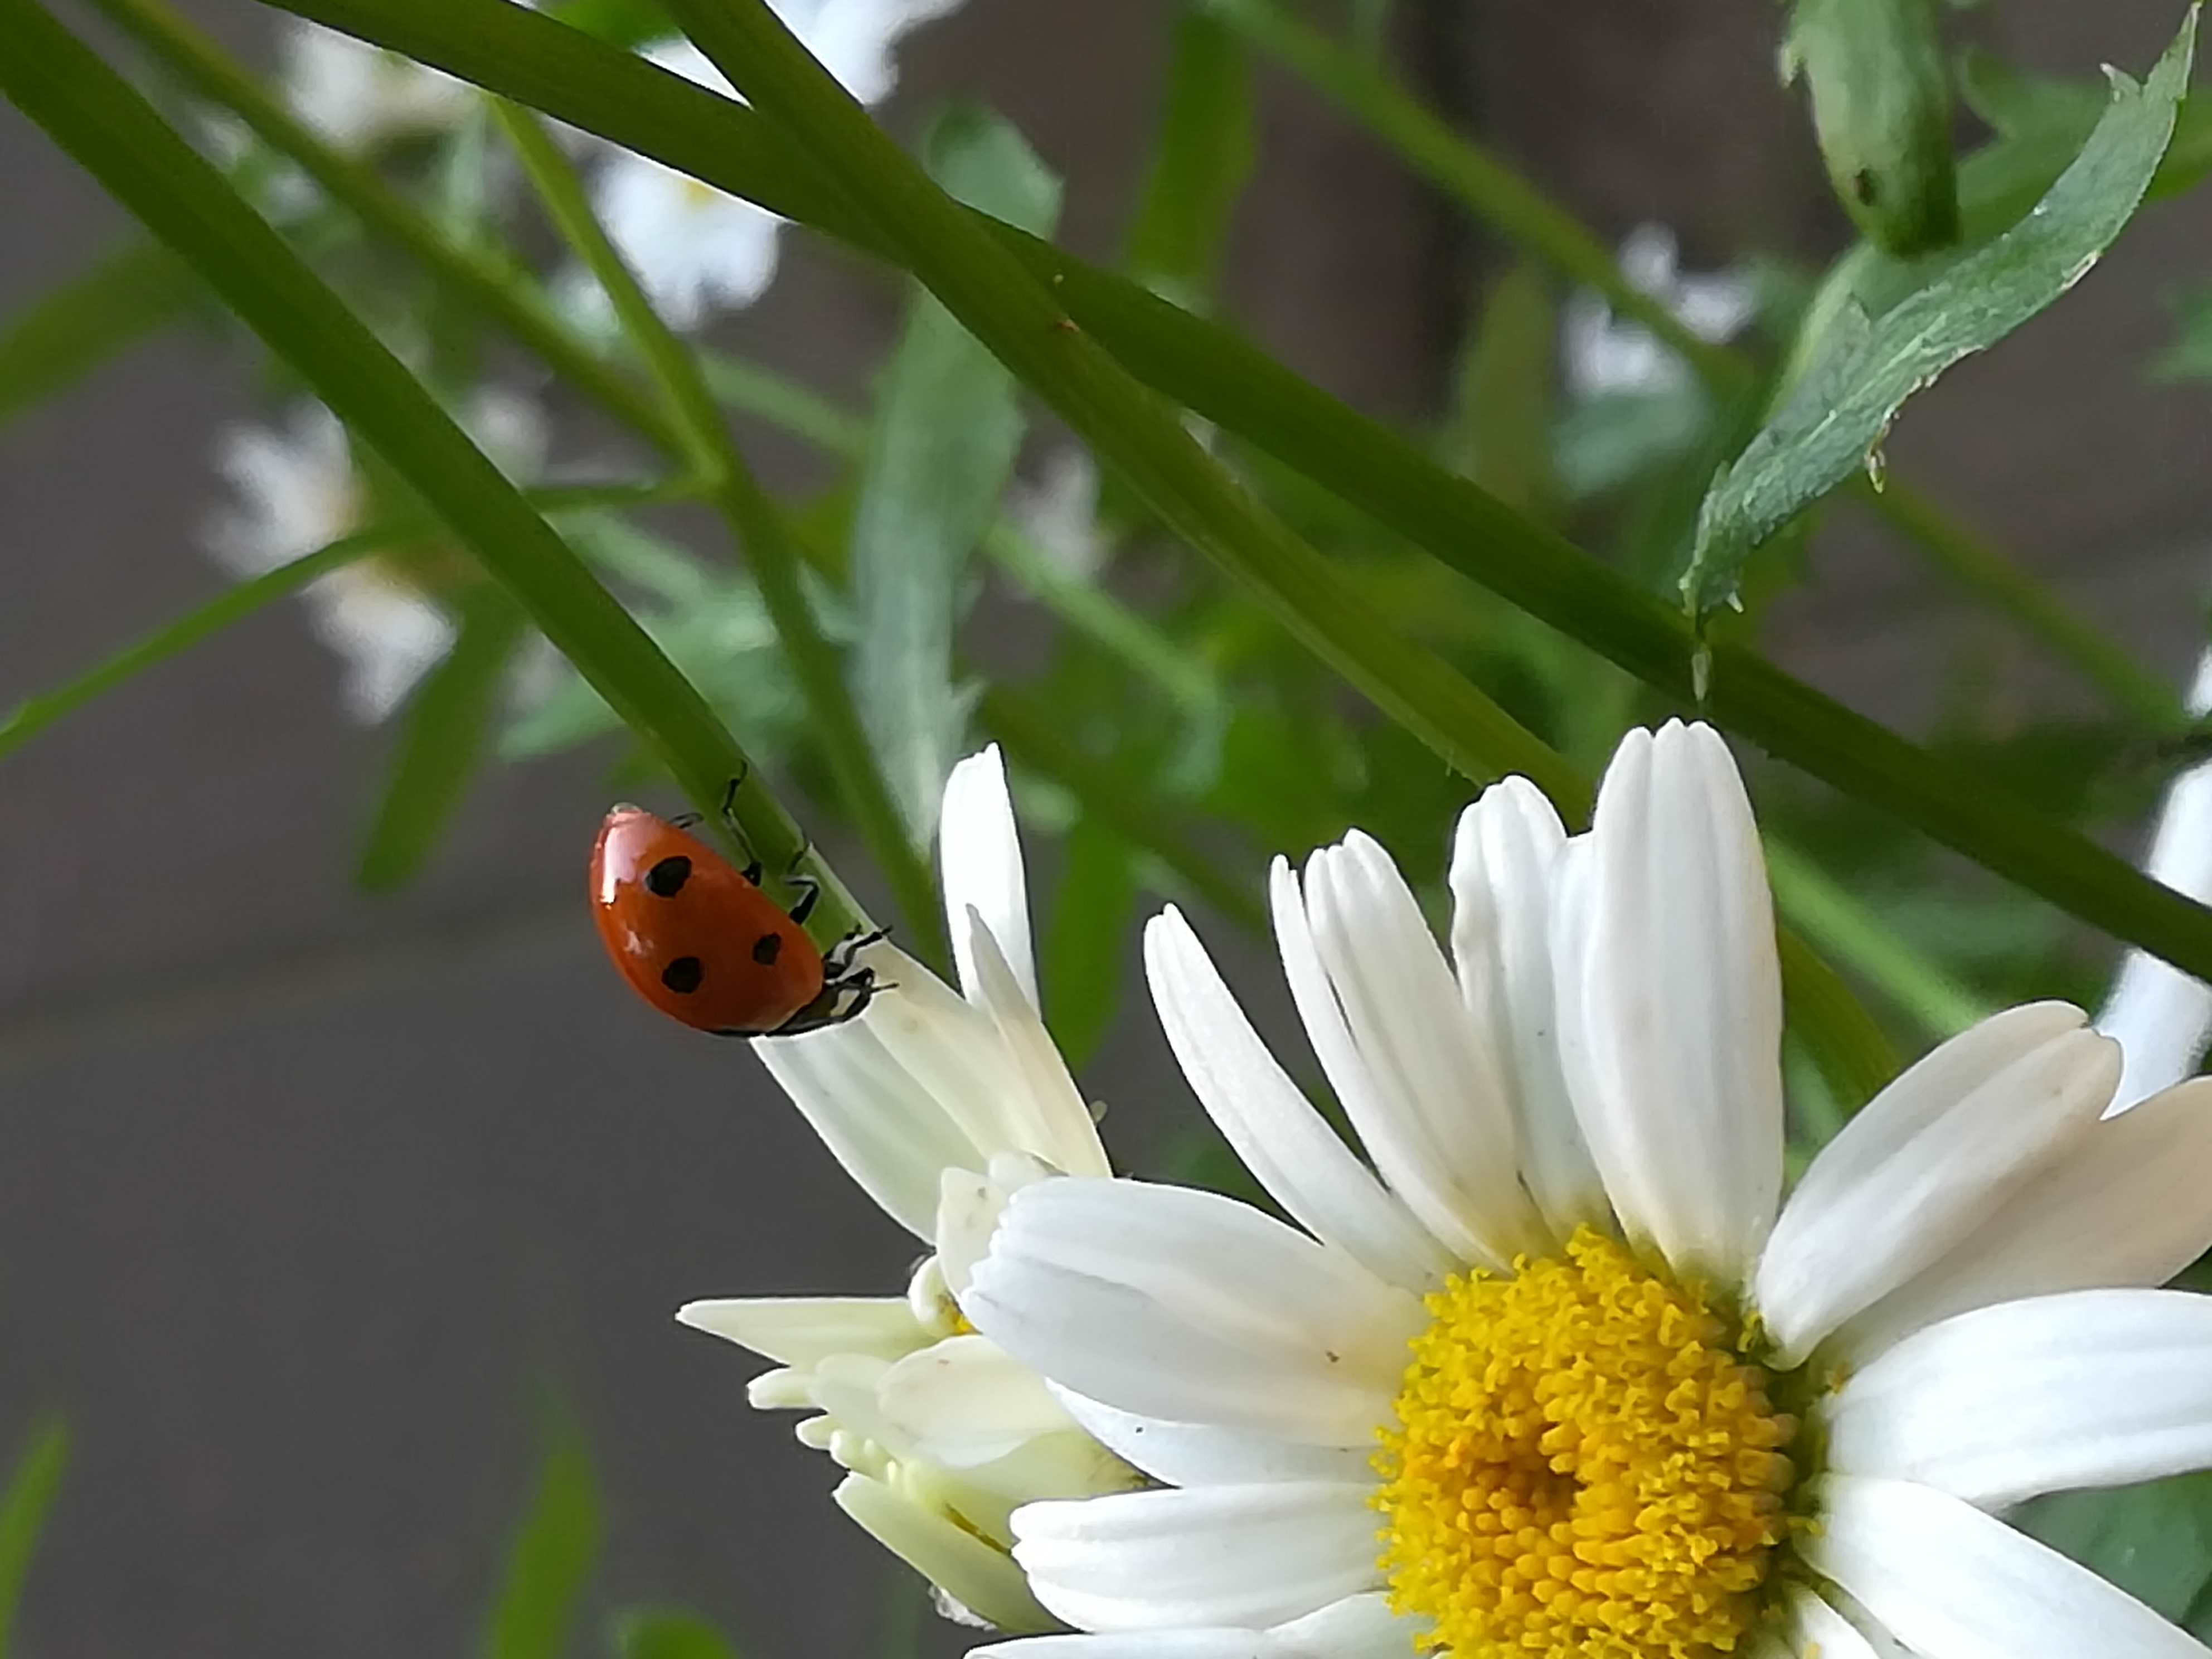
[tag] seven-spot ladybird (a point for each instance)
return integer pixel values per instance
(697, 938)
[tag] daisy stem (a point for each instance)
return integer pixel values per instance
(34, 714)
(1493, 191)
(97, 117)
(1209, 370)
(770, 551)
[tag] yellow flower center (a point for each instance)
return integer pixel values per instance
(1585, 1467)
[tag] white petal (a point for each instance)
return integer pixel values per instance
(1427, 1146)
(1190, 1306)
(1670, 1002)
(1817, 1630)
(1929, 1159)
(2130, 1205)
(1358, 1627)
(966, 1568)
(1287, 1145)
(1217, 1555)
(979, 856)
(2093, 1389)
(876, 1119)
(1199, 1455)
(799, 1330)
(1952, 1583)
(1053, 1120)
(965, 1402)
(1502, 860)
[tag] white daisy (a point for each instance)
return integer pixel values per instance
(2160, 1017)
(298, 490)
(938, 1105)
(694, 248)
(1561, 1374)
(359, 96)
(1605, 354)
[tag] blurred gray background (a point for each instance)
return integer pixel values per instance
(304, 1196)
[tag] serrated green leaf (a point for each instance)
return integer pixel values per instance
(1881, 109)
(31, 1492)
(551, 1556)
(947, 428)
(1093, 914)
(131, 293)
(1835, 421)
(668, 1633)
(441, 742)
(1203, 155)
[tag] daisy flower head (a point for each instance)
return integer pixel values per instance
(1555, 1371)
(297, 488)
(694, 248)
(1605, 355)
(939, 1103)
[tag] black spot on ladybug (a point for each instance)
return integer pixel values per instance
(667, 879)
(767, 948)
(683, 976)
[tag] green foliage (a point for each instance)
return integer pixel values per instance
(553, 1553)
(121, 300)
(1202, 157)
(1881, 107)
(947, 428)
(1833, 424)
(668, 1633)
(1084, 959)
(2154, 1542)
(33, 1486)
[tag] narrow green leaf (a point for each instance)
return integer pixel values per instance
(947, 428)
(1882, 107)
(2154, 1540)
(553, 1553)
(535, 60)
(31, 1489)
(1093, 915)
(441, 742)
(98, 118)
(668, 1633)
(131, 294)
(1501, 428)
(1834, 424)
(1200, 159)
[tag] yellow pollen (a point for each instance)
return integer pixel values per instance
(1584, 1467)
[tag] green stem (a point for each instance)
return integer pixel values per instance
(496, 288)
(1216, 375)
(93, 115)
(35, 713)
(760, 530)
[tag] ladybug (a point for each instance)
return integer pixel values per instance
(696, 938)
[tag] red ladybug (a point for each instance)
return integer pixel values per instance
(697, 938)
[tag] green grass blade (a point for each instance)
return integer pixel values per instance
(941, 452)
(1084, 955)
(552, 1554)
(124, 298)
(1200, 159)
(31, 1489)
(441, 742)
(668, 1633)
(98, 118)
(1222, 378)
(760, 528)
(496, 288)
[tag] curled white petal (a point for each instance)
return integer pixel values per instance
(965, 1402)
(800, 1330)
(978, 1576)
(1358, 1627)
(1201, 1454)
(979, 858)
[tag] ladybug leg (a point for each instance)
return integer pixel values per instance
(810, 891)
(842, 999)
(839, 961)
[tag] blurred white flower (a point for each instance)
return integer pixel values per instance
(297, 490)
(939, 1105)
(359, 96)
(1606, 354)
(693, 247)
(1058, 512)
(2161, 1016)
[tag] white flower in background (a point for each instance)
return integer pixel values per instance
(693, 247)
(1058, 512)
(2160, 1017)
(1561, 1374)
(938, 1104)
(1605, 354)
(359, 96)
(298, 490)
